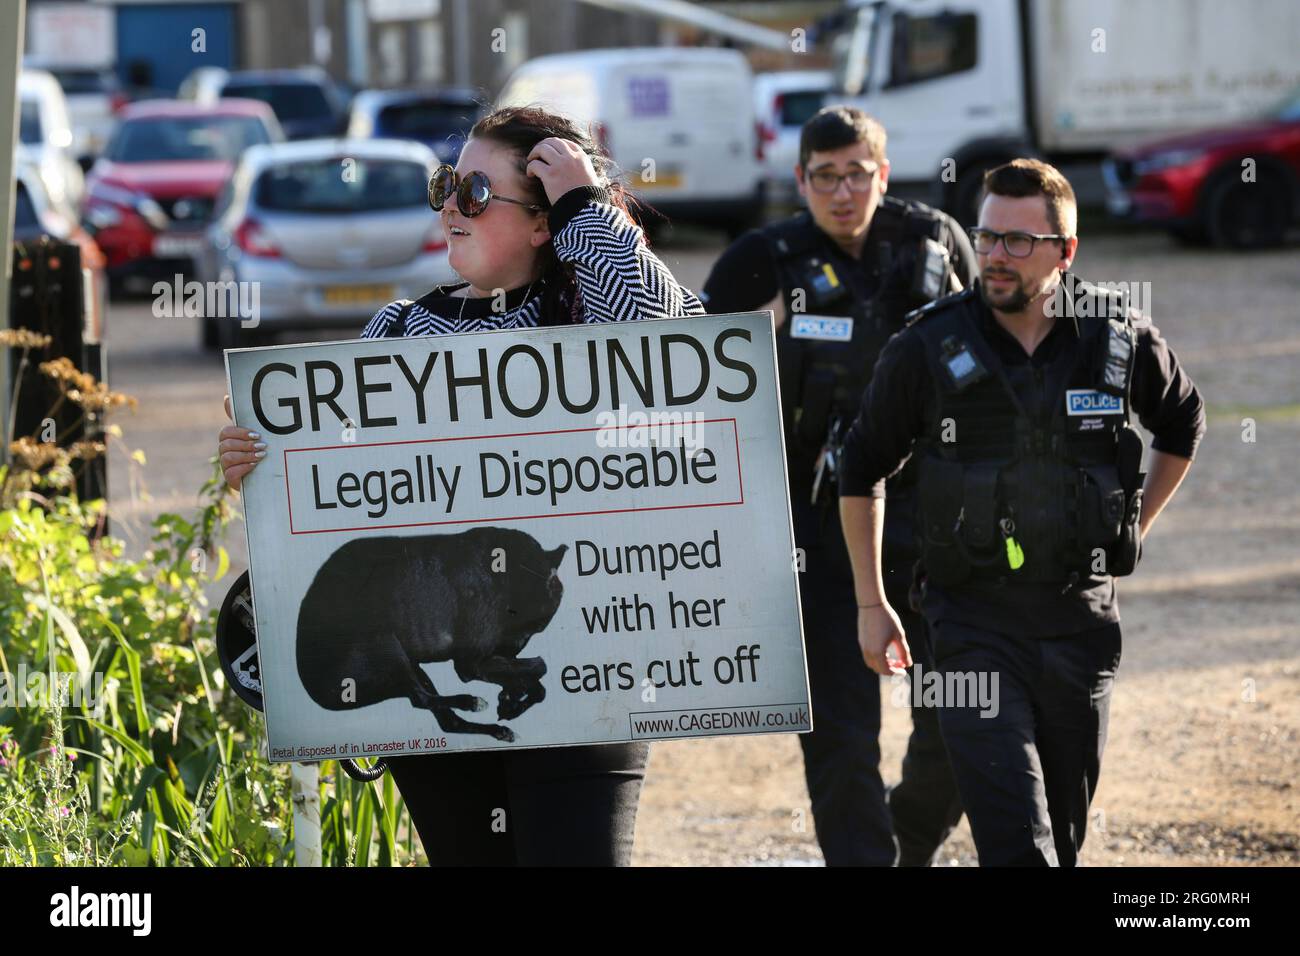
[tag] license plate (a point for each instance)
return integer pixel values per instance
(357, 294)
(167, 247)
(664, 179)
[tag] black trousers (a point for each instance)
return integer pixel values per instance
(924, 805)
(553, 806)
(841, 756)
(1027, 773)
(856, 824)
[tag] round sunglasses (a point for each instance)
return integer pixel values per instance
(473, 192)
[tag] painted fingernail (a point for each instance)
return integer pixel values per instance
(260, 444)
(260, 454)
(254, 434)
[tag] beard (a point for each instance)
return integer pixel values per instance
(1015, 299)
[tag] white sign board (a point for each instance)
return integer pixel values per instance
(72, 34)
(518, 539)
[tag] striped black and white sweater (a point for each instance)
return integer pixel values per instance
(619, 279)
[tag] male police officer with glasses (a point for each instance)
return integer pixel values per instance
(1015, 400)
(846, 272)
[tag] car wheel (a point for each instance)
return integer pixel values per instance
(231, 334)
(209, 334)
(1242, 215)
(741, 223)
(1192, 234)
(735, 228)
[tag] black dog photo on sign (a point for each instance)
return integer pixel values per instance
(379, 608)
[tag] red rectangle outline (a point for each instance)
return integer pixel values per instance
(556, 431)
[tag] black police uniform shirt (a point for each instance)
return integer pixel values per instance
(748, 276)
(901, 402)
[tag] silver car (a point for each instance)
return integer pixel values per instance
(319, 234)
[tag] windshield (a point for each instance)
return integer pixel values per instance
(24, 213)
(181, 138)
(427, 122)
(1288, 111)
(29, 122)
(289, 101)
(800, 106)
(317, 187)
(86, 81)
(851, 52)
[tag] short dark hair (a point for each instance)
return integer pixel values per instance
(520, 128)
(1033, 177)
(833, 127)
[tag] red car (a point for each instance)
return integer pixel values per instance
(151, 194)
(1200, 184)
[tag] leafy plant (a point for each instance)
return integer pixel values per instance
(132, 750)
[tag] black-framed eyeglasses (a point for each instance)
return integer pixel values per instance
(827, 181)
(473, 192)
(1018, 244)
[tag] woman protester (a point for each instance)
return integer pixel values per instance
(539, 225)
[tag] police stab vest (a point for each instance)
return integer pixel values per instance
(1045, 495)
(838, 320)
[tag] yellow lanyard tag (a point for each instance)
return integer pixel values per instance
(1015, 555)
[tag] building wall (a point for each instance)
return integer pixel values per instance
(279, 33)
(457, 44)
(436, 50)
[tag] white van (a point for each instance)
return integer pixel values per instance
(783, 101)
(679, 121)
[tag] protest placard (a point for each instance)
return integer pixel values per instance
(529, 538)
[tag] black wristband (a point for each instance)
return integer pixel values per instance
(571, 203)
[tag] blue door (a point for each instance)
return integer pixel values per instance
(162, 35)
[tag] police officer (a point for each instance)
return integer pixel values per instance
(1016, 400)
(846, 271)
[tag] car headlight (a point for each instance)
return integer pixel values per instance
(152, 213)
(102, 217)
(104, 197)
(1167, 160)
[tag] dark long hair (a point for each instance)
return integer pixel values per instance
(519, 129)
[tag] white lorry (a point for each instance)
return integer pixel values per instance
(964, 85)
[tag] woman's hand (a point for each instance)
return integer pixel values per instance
(561, 165)
(238, 450)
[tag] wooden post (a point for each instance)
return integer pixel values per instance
(306, 814)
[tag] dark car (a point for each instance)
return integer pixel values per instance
(306, 101)
(1235, 186)
(440, 119)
